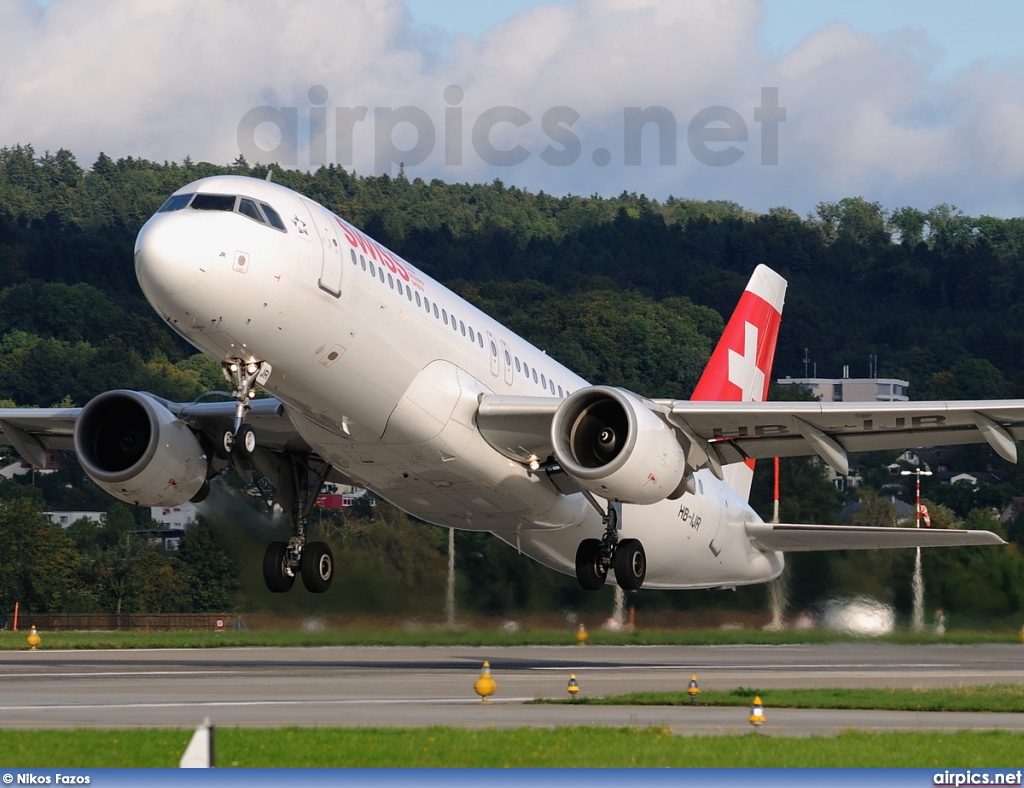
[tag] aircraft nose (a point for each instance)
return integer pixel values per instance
(167, 260)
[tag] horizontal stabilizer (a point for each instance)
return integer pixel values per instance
(790, 537)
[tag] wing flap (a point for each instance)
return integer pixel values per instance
(791, 537)
(517, 427)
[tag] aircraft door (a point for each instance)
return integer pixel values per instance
(330, 268)
(492, 345)
(506, 355)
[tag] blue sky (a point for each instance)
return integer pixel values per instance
(964, 32)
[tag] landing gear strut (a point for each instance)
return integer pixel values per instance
(299, 479)
(240, 440)
(594, 557)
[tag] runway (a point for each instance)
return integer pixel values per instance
(386, 686)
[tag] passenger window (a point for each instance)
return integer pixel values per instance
(560, 394)
(480, 338)
(214, 202)
(175, 202)
(518, 367)
(353, 253)
(373, 269)
(543, 383)
(362, 262)
(419, 301)
(408, 292)
(380, 271)
(437, 315)
(526, 369)
(551, 385)
(494, 350)
(508, 359)
(273, 217)
(247, 207)
(391, 282)
(462, 328)
(535, 376)
(444, 316)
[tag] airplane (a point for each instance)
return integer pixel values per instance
(378, 376)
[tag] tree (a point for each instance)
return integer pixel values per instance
(208, 572)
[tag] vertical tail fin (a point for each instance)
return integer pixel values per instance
(740, 368)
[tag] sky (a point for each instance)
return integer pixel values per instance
(765, 103)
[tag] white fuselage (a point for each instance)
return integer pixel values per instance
(381, 369)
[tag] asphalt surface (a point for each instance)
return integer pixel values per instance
(384, 686)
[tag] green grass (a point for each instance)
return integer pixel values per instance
(562, 747)
(440, 636)
(994, 697)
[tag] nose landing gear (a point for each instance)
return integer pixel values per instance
(245, 376)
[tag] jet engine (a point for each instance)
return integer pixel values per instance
(616, 447)
(137, 450)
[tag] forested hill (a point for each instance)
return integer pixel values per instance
(618, 288)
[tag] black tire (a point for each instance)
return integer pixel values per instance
(630, 564)
(589, 571)
(277, 580)
(245, 442)
(317, 567)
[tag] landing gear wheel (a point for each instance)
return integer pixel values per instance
(277, 580)
(317, 567)
(245, 442)
(224, 446)
(590, 572)
(630, 564)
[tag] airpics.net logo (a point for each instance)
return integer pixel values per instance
(715, 136)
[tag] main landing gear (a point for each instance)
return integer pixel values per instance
(594, 557)
(297, 478)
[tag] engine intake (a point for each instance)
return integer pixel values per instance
(138, 451)
(612, 444)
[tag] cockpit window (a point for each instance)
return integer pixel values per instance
(175, 203)
(274, 217)
(247, 207)
(214, 202)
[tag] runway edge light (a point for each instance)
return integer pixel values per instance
(485, 686)
(573, 687)
(581, 635)
(757, 718)
(33, 638)
(693, 690)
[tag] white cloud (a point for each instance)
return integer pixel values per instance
(864, 115)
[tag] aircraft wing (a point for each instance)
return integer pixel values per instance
(735, 431)
(34, 431)
(719, 433)
(790, 537)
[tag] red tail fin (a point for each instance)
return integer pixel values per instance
(740, 368)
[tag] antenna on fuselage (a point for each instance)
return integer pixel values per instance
(270, 176)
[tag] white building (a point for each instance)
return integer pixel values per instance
(64, 519)
(853, 389)
(176, 518)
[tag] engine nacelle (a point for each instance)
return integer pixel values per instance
(138, 451)
(616, 447)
